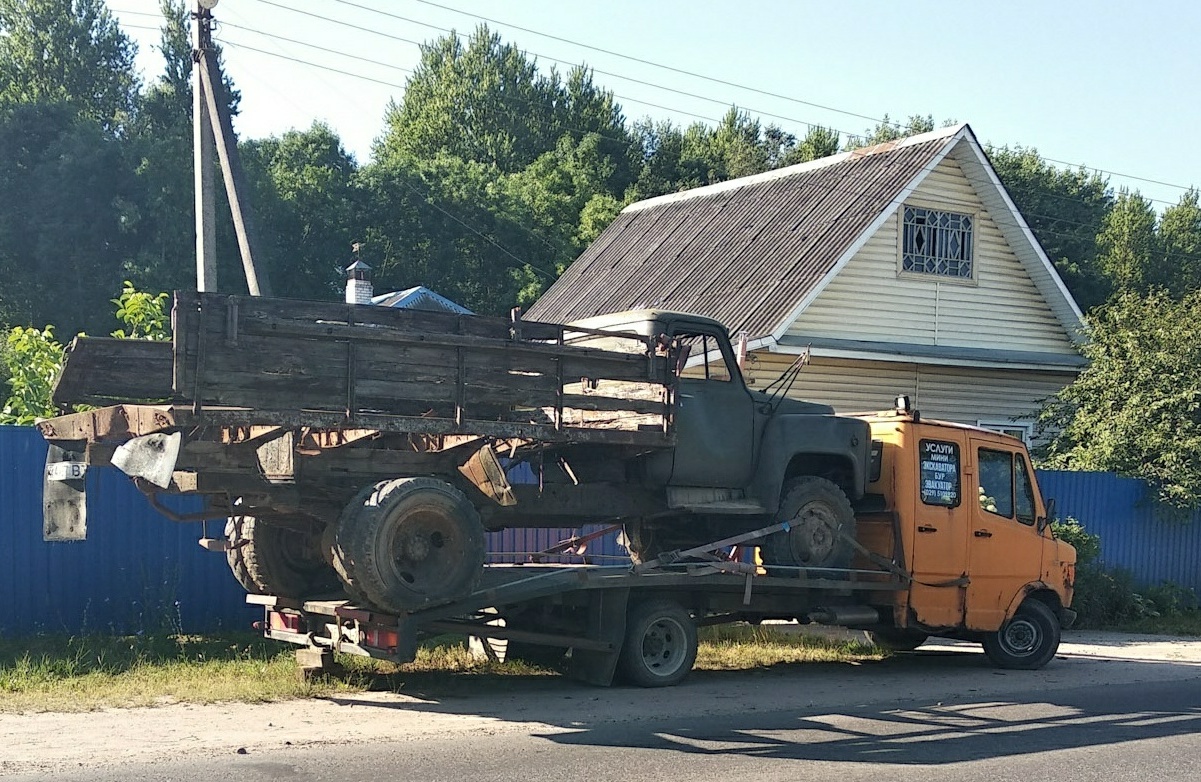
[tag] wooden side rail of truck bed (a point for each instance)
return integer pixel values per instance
(237, 360)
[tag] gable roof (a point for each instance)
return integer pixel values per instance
(419, 298)
(754, 252)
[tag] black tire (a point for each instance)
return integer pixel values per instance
(277, 560)
(408, 543)
(660, 644)
(894, 639)
(822, 525)
(1026, 642)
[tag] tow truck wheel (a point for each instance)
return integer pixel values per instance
(1027, 641)
(269, 559)
(410, 542)
(821, 523)
(660, 644)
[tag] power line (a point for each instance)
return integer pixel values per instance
(735, 85)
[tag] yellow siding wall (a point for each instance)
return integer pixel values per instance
(871, 300)
(958, 394)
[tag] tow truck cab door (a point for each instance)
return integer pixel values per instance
(1006, 546)
(938, 499)
(715, 414)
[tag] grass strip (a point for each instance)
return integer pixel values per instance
(85, 673)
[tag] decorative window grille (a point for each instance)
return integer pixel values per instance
(936, 242)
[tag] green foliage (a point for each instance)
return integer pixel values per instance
(71, 52)
(144, 315)
(1136, 407)
(1066, 209)
(1087, 545)
(34, 360)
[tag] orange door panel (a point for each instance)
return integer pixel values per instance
(1005, 549)
(939, 529)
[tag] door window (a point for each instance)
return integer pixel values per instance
(1025, 491)
(996, 482)
(705, 358)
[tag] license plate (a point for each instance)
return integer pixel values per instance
(66, 471)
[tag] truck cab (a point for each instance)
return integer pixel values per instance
(961, 506)
(734, 443)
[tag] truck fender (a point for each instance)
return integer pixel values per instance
(832, 444)
(1024, 593)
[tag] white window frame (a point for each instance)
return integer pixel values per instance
(1010, 428)
(928, 276)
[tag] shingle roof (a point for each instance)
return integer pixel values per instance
(747, 251)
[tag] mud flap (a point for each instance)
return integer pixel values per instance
(606, 622)
(64, 496)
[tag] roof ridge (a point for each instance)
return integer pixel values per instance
(948, 132)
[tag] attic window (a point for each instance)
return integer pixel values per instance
(937, 243)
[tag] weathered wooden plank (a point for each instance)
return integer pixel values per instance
(102, 369)
(593, 402)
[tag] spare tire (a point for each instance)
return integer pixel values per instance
(821, 527)
(410, 542)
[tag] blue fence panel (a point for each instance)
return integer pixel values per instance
(136, 572)
(1135, 534)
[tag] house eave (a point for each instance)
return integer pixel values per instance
(934, 355)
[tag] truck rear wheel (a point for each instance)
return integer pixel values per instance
(821, 523)
(1027, 641)
(410, 542)
(660, 644)
(267, 559)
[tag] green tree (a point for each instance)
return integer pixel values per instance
(67, 51)
(1066, 209)
(144, 315)
(1127, 244)
(33, 361)
(307, 209)
(1136, 408)
(818, 143)
(888, 130)
(1179, 234)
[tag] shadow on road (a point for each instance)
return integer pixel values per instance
(938, 707)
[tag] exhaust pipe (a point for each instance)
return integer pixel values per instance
(845, 616)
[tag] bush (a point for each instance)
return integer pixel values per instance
(1108, 597)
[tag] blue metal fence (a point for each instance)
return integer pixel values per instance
(137, 571)
(1135, 535)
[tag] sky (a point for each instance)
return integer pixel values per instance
(1107, 84)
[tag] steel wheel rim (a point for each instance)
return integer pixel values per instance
(419, 550)
(812, 533)
(664, 646)
(1021, 637)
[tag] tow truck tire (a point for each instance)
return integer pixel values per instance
(276, 560)
(407, 543)
(1026, 642)
(822, 524)
(660, 644)
(894, 639)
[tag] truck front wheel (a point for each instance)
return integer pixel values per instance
(821, 526)
(410, 542)
(269, 559)
(1027, 641)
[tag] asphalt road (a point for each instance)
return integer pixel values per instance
(1104, 730)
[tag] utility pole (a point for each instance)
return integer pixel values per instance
(215, 124)
(203, 149)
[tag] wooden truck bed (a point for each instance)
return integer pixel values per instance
(242, 361)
